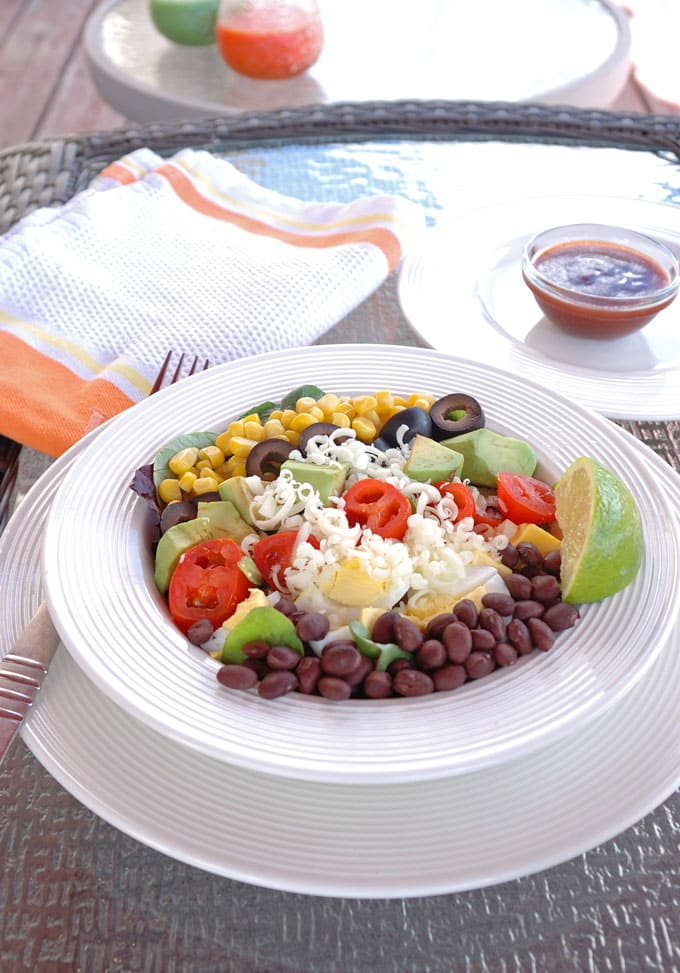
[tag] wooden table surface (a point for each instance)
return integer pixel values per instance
(45, 86)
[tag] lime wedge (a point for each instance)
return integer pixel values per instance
(602, 534)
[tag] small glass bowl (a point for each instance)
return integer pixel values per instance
(599, 281)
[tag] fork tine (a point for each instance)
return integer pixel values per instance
(161, 375)
(194, 366)
(178, 370)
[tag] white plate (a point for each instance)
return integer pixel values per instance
(98, 576)
(463, 292)
(339, 840)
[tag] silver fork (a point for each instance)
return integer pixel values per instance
(24, 667)
(164, 378)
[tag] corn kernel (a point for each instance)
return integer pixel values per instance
(340, 419)
(317, 414)
(235, 428)
(384, 399)
(222, 441)
(252, 417)
(422, 402)
(346, 407)
(253, 430)
(305, 403)
(183, 460)
(364, 404)
(203, 464)
(373, 417)
(169, 490)
(203, 484)
(302, 421)
(328, 403)
(213, 454)
(276, 414)
(211, 473)
(400, 401)
(240, 446)
(292, 436)
(187, 480)
(287, 417)
(272, 428)
(235, 466)
(364, 429)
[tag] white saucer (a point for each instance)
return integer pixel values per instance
(463, 292)
(383, 841)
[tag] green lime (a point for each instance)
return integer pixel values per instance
(602, 541)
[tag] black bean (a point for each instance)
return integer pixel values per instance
(257, 649)
(431, 654)
(356, 678)
(340, 659)
(407, 635)
(509, 556)
(282, 657)
(528, 609)
(333, 687)
(277, 684)
(482, 641)
(378, 685)
(286, 605)
(308, 673)
(457, 639)
(412, 682)
(530, 554)
(505, 654)
(552, 562)
(545, 587)
(502, 603)
(542, 635)
(398, 664)
(383, 629)
(518, 635)
(448, 678)
(492, 622)
(561, 616)
(237, 677)
(436, 625)
(466, 612)
(519, 586)
(258, 666)
(479, 664)
(312, 626)
(200, 631)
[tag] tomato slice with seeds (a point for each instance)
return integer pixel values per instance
(379, 506)
(207, 583)
(461, 496)
(273, 554)
(524, 499)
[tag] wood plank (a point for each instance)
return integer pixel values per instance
(35, 50)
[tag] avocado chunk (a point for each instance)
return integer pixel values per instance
(235, 489)
(225, 520)
(430, 462)
(264, 624)
(328, 481)
(174, 542)
(487, 453)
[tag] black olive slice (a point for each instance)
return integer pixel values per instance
(455, 414)
(265, 458)
(416, 420)
(318, 429)
(177, 513)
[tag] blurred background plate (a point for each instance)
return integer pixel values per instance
(463, 292)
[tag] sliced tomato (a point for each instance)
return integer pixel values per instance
(462, 497)
(207, 583)
(379, 506)
(273, 554)
(524, 499)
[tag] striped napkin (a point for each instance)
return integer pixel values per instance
(185, 254)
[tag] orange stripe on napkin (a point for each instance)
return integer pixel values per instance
(45, 405)
(384, 239)
(120, 173)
